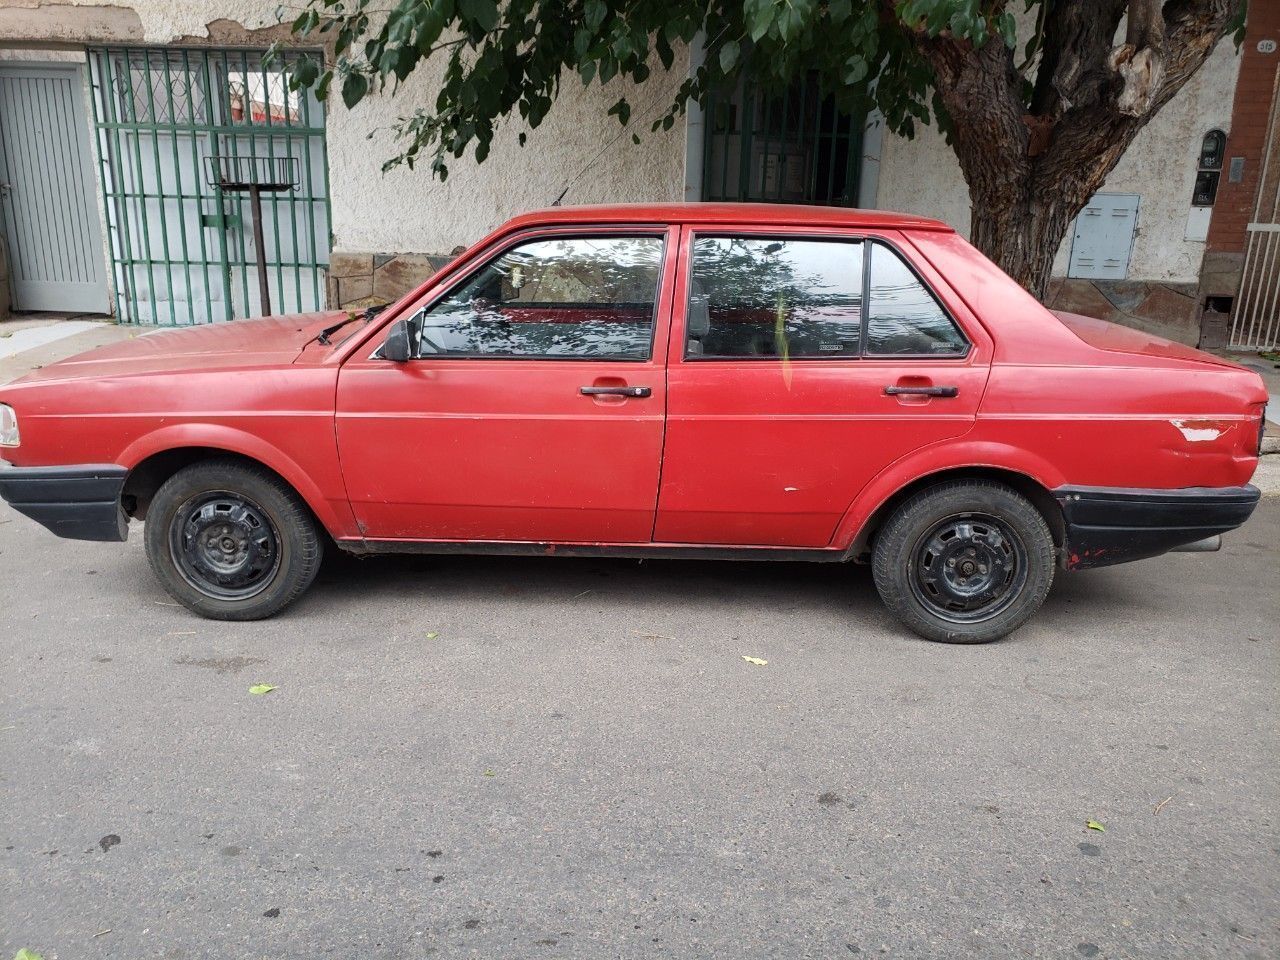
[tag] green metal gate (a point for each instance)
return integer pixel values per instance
(790, 147)
(171, 122)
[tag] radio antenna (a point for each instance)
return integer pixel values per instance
(589, 164)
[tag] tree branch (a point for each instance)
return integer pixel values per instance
(1078, 36)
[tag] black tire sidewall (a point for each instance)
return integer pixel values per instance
(893, 563)
(299, 543)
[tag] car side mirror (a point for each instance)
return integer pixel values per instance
(398, 347)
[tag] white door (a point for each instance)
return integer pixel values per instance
(48, 214)
(1104, 237)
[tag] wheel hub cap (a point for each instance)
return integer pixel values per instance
(224, 545)
(968, 568)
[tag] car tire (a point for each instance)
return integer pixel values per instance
(231, 541)
(966, 561)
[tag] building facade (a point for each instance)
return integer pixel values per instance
(152, 168)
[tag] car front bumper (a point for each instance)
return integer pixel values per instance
(1106, 525)
(79, 502)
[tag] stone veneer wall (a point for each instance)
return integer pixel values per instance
(1165, 309)
(372, 279)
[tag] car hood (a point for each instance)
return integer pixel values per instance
(267, 341)
(1117, 339)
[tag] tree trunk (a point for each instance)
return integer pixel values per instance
(1022, 239)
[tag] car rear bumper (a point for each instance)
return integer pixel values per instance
(76, 502)
(1106, 525)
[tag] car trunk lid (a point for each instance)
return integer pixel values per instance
(1117, 339)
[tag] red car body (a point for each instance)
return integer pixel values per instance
(796, 458)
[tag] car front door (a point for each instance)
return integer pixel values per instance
(533, 407)
(807, 362)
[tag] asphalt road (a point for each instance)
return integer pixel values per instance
(565, 758)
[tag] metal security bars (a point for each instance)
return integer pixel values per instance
(792, 147)
(1255, 315)
(182, 247)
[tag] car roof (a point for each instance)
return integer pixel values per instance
(782, 214)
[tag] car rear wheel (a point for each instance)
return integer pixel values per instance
(231, 541)
(966, 561)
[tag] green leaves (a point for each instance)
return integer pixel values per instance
(1095, 825)
(594, 12)
(483, 13)
(25, 954)
(729, 55)
(760, 15)
(1008, 28)
(508, 58)
(621, 110)
(354, 87)
(261, 689)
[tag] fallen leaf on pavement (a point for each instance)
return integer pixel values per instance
(490, 773)
(25, 954)
(433, 634)
(1095, 825)
(261, 688)
(757, 661)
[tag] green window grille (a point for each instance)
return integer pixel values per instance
(789, 147)
(171, 122)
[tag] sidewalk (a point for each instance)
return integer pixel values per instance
(33, 341)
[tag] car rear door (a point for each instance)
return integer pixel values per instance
(533, 410)
(782, 403)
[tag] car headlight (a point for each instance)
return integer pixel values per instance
(8, 426)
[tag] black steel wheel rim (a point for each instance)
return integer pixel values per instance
(224, 545)
(968, 567)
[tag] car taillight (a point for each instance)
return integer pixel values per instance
(8, 426)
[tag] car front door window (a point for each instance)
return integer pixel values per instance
(554, 298)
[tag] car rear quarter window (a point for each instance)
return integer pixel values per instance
(775, 297)
(905, 319)
(555, 297)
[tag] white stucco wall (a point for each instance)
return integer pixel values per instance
(410, 211)
(922, 175)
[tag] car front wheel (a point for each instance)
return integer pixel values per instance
(231, 541)
(967, 561)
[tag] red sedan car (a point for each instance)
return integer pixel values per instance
(729, 381)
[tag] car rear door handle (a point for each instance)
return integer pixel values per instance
(894, 391)
(616, 391)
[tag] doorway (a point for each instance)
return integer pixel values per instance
(48, 213)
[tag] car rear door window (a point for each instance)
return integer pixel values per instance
(904, 318)
(799, 298)
(562, 297)
(774, 297)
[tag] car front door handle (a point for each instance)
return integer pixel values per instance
(616, 391)
(894, 391)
